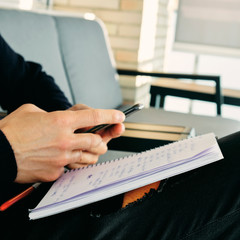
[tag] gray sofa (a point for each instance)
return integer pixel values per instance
(75, 51)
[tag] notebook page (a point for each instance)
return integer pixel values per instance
(93, 177)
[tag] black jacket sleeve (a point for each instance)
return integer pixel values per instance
(8, 167)
(25, 82)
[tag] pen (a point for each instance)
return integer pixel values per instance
(15, 199)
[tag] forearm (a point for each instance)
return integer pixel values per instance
(37, 88)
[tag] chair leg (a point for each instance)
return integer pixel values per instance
(153, 100)
(162, 101)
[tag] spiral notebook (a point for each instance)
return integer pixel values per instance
(82, 186)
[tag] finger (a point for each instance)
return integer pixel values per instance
(85, 160)
(76, 165)
(88, 158)
(85, 141)
(100, 149)
(93, 117)
(112, 132)
(76, 156)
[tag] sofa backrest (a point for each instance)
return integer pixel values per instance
(73, 50)
(35, 37)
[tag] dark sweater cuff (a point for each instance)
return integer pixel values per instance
(8, 166)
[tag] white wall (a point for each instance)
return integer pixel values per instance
(184, 62)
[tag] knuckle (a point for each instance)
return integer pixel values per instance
(64, 144)
(80, 106)
(28, 107)
(63, 141)
(94, 140)
(60, 160)
(77, 156)
(63, 159)
(60, 119)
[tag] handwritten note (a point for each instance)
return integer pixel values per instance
(130, 172)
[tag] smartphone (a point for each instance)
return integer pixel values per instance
(127, 113)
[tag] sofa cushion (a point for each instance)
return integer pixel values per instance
(34, 36)
(88, 63)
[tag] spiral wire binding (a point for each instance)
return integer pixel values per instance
(129, 156)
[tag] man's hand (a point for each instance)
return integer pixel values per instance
(107, 134)
(43, 143)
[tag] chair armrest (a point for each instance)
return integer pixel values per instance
(216, 79)
(131, 72)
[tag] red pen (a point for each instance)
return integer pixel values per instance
(15, 199)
